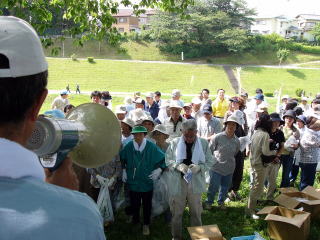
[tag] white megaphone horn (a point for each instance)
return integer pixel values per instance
(90, 134)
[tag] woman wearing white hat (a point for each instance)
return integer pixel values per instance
(224, 147)
(160, 135)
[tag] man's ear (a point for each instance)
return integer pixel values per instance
(34, 111)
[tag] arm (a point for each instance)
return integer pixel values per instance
(265, 148)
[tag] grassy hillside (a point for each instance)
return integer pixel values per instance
(272, 79)
(131, 76)
(149, 51)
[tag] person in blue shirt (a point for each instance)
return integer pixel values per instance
(31, 208)
(151, 106)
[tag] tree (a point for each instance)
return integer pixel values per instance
(282, 55)
(210, 27)
(86, 19)
(316, 32)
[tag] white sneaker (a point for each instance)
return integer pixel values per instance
(145, 230)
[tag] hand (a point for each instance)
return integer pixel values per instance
(111, 182)
(194, 168)
(101, 180)
(124, 175)
(182, 168)
(276, 160)
(64, 176)
(155, 174)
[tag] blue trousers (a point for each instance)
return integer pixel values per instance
(286, 162)
(308, 173)
(218, 181)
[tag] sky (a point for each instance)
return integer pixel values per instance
(290, 8)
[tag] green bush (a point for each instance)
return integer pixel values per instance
(299, 92)
(90, 59)
(73, 57)
(267, 94)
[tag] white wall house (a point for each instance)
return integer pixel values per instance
(280, 24)
(305, 24)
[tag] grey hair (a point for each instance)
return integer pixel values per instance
(189, 125)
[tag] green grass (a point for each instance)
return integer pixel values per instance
(311, 64)
(231, 222)
(268, 58)
(127, 50)
(272, 79)
(142, 50)
(132, 76)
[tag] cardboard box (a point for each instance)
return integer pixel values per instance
(207, 232)
(286, 224)
(308, 199)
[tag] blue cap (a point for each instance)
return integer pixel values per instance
(56, 113)
(302, 119)
(207, 109)
(259, 97)
(64, 92)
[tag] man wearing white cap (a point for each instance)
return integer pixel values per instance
(176, 95)
(196, 108)
(304, 104)
(173, 123)
(282, 107)
(151, 106)
(30, 207)
(121, 112)
(61, 101)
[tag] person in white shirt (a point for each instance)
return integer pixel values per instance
(176, 95)
(61, 101)
(196, 108)
(304, 104)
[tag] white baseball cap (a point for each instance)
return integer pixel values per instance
(20, 43)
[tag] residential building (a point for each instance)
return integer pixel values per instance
(127, 21)
(305, 24)
(281, 25)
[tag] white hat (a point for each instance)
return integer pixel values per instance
(174, 104)
(233, 118)
(129, 122)
(121, 109)
(196, 100)
(285, 97)
(128, 100)
(150, 95)
(304, 99)
(147, 118)
(176, 92)
(160, 128)
(165, 104)
(20, 43)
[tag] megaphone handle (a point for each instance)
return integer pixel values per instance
(61, 156)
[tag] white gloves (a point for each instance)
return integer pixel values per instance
(124, 175)
(155, 174)
(182, 168)
(194, 168)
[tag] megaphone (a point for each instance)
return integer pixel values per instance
(90, 134)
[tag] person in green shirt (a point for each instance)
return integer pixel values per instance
(142, 163)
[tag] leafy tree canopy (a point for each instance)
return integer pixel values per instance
(209, 27)
(86, 19)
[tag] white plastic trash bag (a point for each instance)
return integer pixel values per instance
(160, 198)
(244, 142)
(288, 144)
(104, 202)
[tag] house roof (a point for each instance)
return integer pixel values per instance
(309, 16)
(129, 12)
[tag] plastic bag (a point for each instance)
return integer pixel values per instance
(160, 198)
(288, 144)
(104, 202)
(244, 142)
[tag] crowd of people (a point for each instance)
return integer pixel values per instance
(189, 148)
(201, 147)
